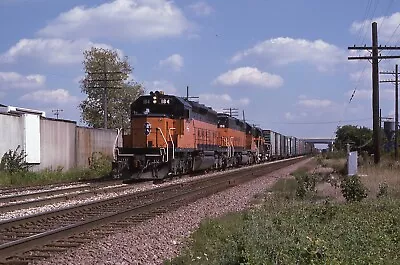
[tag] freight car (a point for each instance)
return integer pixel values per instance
(172, 135)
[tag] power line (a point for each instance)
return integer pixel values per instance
(387, 13)
(365, 33)
(362, 72)
(323, 122)
(375, 83)
(361, 29)
(364, 24)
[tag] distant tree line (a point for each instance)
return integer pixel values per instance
(359, 138)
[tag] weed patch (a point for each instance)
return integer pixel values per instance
(100, 166)
(300, 233)
(13, 161)
(352, 188)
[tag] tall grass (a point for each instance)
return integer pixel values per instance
(99, 167)
(374, 176)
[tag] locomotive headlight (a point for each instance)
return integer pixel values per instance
(167, 101)
(154, 97)
(155, 101)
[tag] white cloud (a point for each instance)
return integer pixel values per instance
(289, 116)
(285, 50)
(54, 51)
(121, 19)
(387, 25)
(315, 103)
(249, 76)
(58, 96)
(160, 85)
(201, 8)
(221, 101)
(174, 61)
(294, 116)
(9, 80)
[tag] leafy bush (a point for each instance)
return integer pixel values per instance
(305, 183)
(383, 190)
(100, 164)
(353, 189)
(14, 161)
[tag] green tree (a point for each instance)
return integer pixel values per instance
(107, 74)
(360, 138)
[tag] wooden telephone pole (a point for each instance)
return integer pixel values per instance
(57, 112)
(233, 112)
(375, 83)
(105, 74)
(396, 108)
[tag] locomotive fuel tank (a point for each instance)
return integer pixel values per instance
(245, 159)
(205, 161)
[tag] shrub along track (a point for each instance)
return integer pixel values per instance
(43, 235)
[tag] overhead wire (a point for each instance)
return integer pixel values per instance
(362, 30)
(364, 21)
(365, 66)
(321, 122)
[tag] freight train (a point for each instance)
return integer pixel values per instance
(173, 135)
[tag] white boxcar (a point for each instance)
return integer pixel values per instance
(278, 138)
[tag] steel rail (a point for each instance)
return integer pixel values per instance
(193, 190)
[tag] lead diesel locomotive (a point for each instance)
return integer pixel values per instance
(171, 135)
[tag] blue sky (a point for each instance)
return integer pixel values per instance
(283, 62)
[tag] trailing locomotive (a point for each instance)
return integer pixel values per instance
(171, 135)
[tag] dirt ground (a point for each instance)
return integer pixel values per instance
(331, 188)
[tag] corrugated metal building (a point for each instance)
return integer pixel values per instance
(51, 143)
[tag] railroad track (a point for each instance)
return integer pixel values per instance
(43, 235)
(40, 198)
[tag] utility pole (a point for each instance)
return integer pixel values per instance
(375, 83)
(105, 79)
(57, 112)
(187, 94)
(396, 108)
(105, 99)
(231, 111)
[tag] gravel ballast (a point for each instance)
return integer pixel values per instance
(160, 238)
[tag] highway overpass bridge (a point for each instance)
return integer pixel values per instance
(328, 141)
(320, 140)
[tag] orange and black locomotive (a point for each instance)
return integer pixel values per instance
(172, 135)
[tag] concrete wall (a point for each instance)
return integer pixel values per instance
(93, 141)
(11, 133)
(57, 144)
